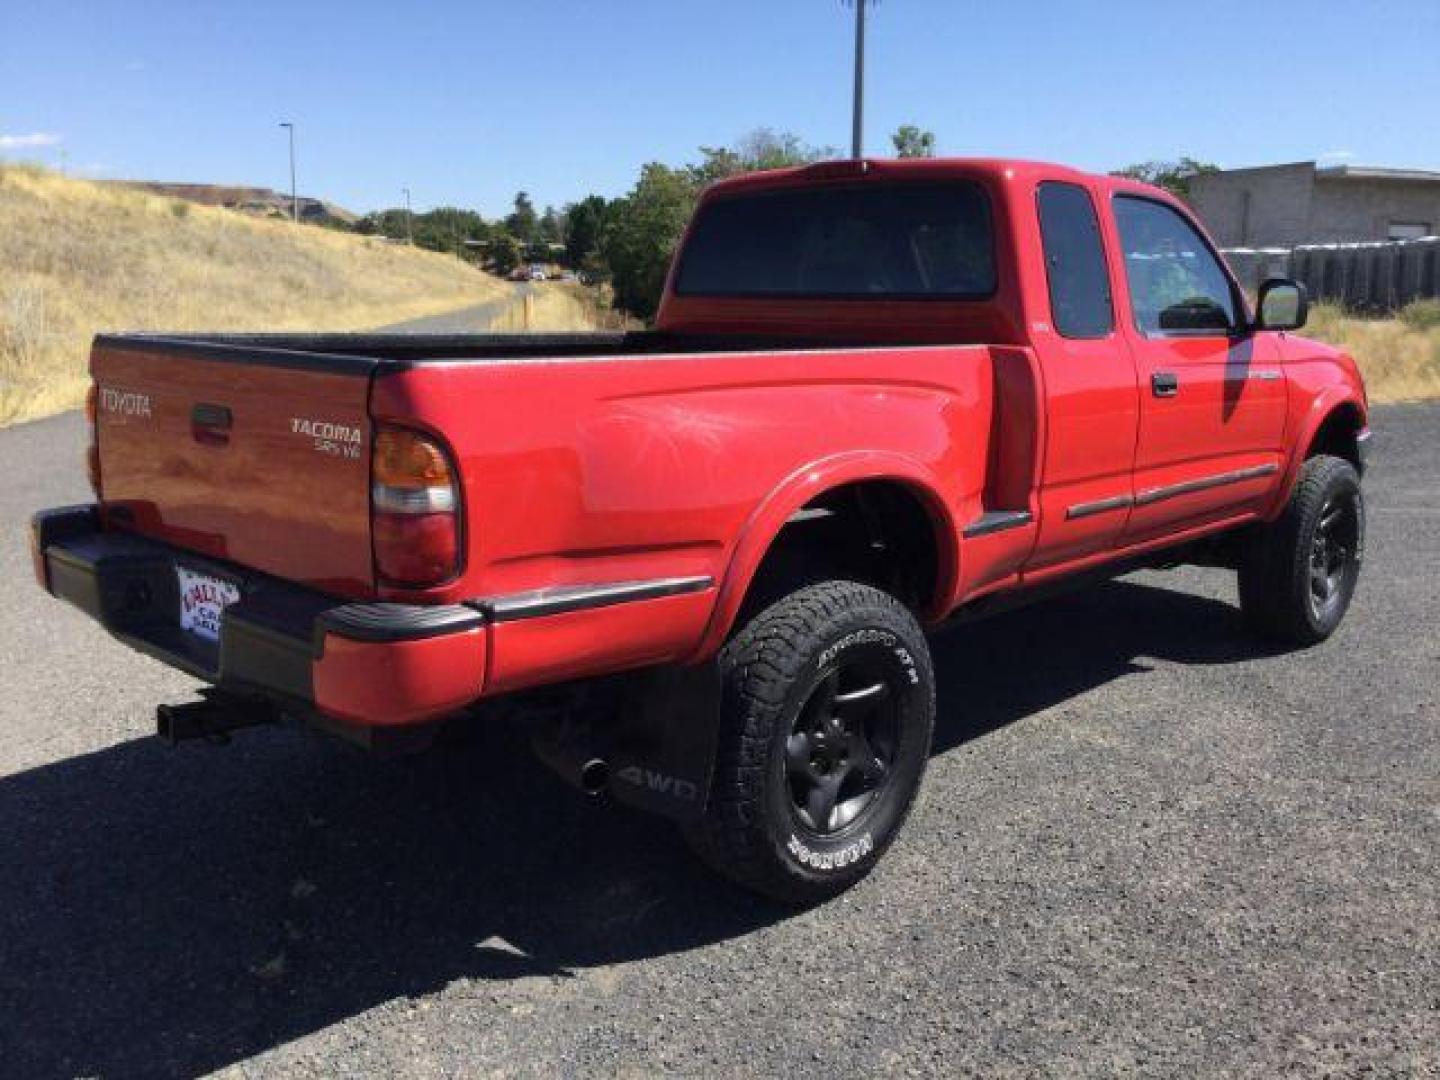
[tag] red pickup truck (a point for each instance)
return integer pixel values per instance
(700, 561)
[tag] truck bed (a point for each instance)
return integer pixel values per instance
(658, 463)
(364, 352)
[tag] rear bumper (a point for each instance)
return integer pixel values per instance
(360, 664)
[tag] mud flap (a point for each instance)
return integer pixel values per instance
(663, 751)
(651, 734)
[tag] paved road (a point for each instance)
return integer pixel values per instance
(1148, 844)
(471, 320)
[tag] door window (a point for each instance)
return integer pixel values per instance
(1177, 285)
(1074, 262)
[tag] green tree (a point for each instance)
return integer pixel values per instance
(913, 142)
(641, 232)
(638, 233)
(446, 228)
(583, 224)
(503, 253)
(765, 148)
(389, 223)
(762, 148)
(523, 223)
(1173, 176)
(552, 227)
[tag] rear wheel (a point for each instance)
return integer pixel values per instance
(1299, 573)
(827, 708)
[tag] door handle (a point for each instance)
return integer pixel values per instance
(1165, 384)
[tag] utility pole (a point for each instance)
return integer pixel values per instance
(294, 199)
(409, 227)
(857, 124)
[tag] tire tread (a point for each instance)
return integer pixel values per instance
(758, 667)
(1273, 578)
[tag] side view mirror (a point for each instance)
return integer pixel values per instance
(1281, 305)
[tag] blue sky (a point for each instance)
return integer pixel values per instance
(465, 102)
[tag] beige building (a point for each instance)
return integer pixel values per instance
(1304, 203)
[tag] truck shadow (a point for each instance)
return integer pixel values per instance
(172, 912)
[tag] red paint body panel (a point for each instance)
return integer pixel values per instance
(376, 684)
(1320, 380)
(593, 470)
(582, 471)
(263, 496)
(580, 644)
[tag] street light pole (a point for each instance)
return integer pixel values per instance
(857, 124)
(409, 227)
(294, 199)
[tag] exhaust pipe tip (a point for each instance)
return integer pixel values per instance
(594, 776)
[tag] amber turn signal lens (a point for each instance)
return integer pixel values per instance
(414, 504)
(407, 459)
(92, 452)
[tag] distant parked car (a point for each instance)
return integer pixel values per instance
(537, 273)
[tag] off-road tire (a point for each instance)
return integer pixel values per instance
(776, 673)
(1282, 588)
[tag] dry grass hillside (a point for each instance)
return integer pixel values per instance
(559, 305)
(78, 257)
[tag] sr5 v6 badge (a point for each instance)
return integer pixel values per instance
(337, 440)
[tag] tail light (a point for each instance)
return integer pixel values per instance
(92, 452)
(414, 509)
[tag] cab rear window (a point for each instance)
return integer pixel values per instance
(868, 241)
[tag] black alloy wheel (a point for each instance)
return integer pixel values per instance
(826, 712)
(840, 752)
(1298, 573)
(1334, 552)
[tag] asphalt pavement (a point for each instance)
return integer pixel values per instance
(1148, 843)
(475, 319)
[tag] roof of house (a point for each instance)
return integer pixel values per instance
(1336, 172)
(1372, 172)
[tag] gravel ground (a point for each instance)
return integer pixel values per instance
(1147, 844)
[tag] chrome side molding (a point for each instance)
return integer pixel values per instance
(1150, 496)
(1204, 483)
(1099, 506)
(563, 598)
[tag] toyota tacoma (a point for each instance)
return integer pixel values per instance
(700, 561)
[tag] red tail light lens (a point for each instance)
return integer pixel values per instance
(92, 452)
(414, 509)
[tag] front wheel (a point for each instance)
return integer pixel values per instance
(1299, 573)
(827, 708)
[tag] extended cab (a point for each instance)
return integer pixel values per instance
(700, 560)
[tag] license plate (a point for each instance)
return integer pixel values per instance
(202, 598)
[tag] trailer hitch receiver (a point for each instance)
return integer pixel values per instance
(212, 718)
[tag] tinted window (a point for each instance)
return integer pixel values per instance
(1075, 263)
(872, 241)
(1176, 284)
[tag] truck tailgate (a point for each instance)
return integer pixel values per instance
(255, 456)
